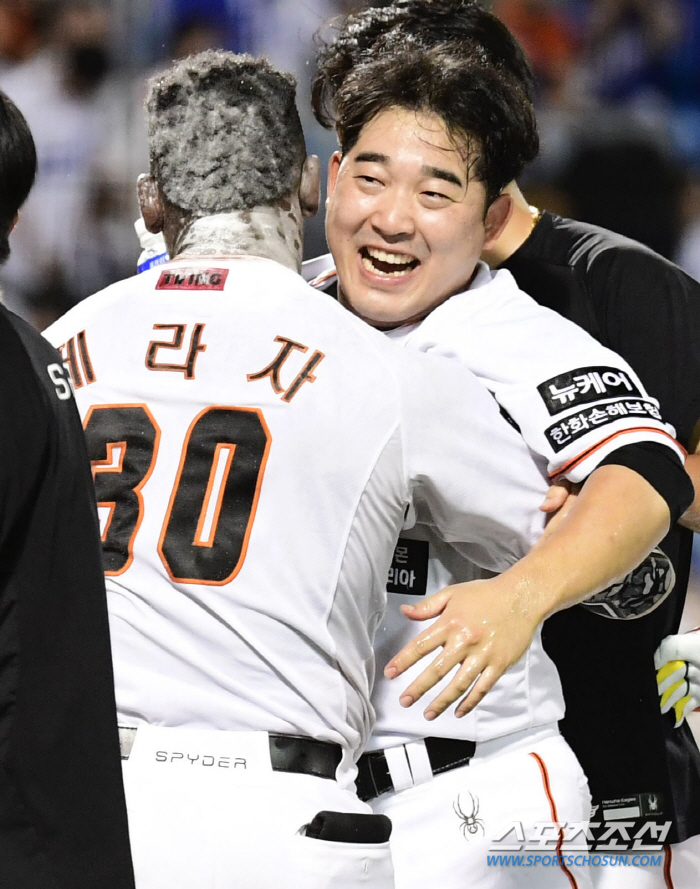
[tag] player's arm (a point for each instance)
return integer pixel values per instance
(651, 301)
(482, 487)
(486, 626)
(691, 517)
(562, 495)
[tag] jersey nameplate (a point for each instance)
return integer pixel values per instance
(573, 427)
(408, 574)
(192, 279)
(584, 385)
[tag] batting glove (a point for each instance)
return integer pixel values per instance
(677, 662)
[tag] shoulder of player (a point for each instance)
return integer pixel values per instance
(593, 250)
(319, 270)
(104, 303)
(494, 313)
(27, 362)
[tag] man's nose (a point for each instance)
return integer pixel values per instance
(393, 217)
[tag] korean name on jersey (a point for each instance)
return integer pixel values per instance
(255, 448)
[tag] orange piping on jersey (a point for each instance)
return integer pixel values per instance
(572, 464)
(137, 488)
(323, 277)
(253, 508)
(231, 450)
(555, 817)
(668, 858)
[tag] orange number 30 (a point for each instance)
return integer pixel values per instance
(208, 520)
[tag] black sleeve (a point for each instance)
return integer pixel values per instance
(662, 468)
(651, 314)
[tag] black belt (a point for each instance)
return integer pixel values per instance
(288, 753)
(304, 755)
(373, 777)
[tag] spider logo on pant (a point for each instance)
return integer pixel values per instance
(470, 821)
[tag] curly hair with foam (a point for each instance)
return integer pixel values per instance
(198, 112)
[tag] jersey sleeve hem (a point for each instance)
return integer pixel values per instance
(581, 466)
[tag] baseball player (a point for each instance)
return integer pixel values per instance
(62, 814)
(398, 170)
(627, 297)
(625, 294)
(256, 450)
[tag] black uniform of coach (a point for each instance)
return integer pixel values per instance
(62, 811)
(647, 310)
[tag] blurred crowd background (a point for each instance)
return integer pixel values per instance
(618, 100)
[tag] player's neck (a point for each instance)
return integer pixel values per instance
(270, 232)
(518, 229)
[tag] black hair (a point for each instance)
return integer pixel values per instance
(224, 133)
(449, 57)
(419, 25)
(486, 113)
(17, 168)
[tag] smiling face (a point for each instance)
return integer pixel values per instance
(404, 221)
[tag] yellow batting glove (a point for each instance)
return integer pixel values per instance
(677, 662)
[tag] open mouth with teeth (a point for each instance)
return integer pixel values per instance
(393, 265)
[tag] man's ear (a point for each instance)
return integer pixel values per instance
(150, 203)
(497, 217)
(310, 188)
(333, 168)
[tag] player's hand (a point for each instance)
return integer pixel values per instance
(483, 628)
(556, 496)
(677, 662)
(558, 503)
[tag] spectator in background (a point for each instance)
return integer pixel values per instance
(285, 33)
(627, 43)
(18, 31)
(629, 184)
(58, 88)
(688, 256)
(547, 41)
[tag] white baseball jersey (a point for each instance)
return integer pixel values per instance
(529, 694)
(255, 449)
(574, 401)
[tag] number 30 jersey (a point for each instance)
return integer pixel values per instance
(255, 451)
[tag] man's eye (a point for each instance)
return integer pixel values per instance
(436, 195)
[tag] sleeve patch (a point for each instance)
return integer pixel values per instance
(585, 385)
(563, 433)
